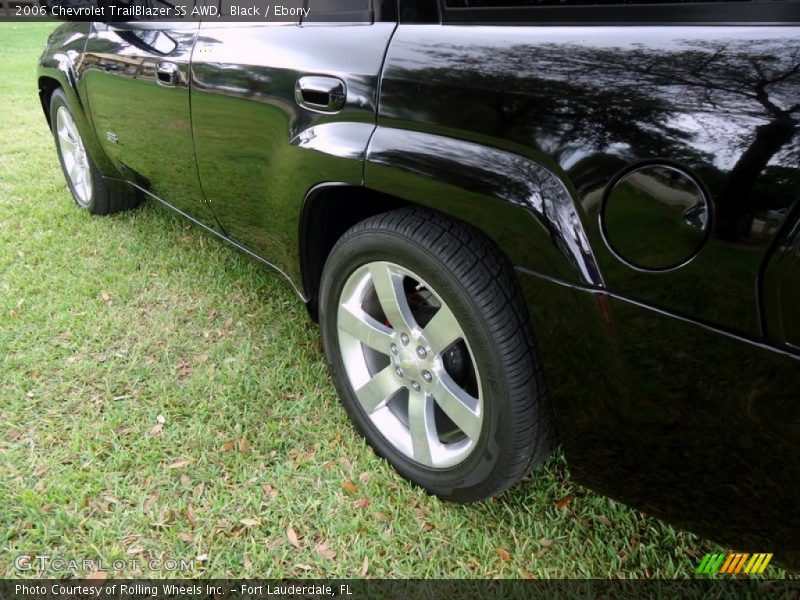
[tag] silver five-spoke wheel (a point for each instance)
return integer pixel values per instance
(73, 153)
(410, 364)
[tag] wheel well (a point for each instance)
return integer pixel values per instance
(328, 212)
(47, 85)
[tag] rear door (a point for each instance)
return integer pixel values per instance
(279, 107)
(137, 83)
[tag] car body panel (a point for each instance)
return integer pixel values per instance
(520, 203)
(665, 388)
(143, 126)
(62, 64)
(595, 101)
(683, 420)
(256, 146)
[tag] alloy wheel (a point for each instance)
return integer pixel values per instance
(410, 365)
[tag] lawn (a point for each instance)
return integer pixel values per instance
(164, 397)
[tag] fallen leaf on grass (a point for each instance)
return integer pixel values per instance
(292, 535)
(221, 526)
(186, 537)
(364, 477)
(276, 542)
(179, 464)
(504, 554)
(190, 517)
(603, 520)
(349, 486)
(97, 575)
(324, 551)
(364, 567)
(269, 490)
(428, 527)
(564, 502)
(155, 431)
(134, 550)
(361, 503)
(160, 419)
(250, 522)
(226, 447)
(105, 296)
(65, 336)
(304, 567)
(244, 448)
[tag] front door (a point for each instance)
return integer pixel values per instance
(137, 84)
(276, 109)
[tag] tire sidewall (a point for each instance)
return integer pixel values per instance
(481, 469)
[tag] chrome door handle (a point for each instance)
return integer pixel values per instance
(320, 93)
(168, 74)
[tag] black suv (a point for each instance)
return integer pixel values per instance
(519, 224)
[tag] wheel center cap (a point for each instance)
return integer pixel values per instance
(408, 361)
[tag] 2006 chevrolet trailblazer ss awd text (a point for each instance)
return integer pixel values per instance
(519, 223)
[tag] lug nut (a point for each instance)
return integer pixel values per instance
(393, 348)
(415, 386)
(421, 352)
(404, 339)
(399, 372)
(426, 375)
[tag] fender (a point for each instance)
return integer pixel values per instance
(523, 206)
(62, 62)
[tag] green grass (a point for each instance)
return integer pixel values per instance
(109, 325)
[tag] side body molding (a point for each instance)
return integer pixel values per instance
(523, 206)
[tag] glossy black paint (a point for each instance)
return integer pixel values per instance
(677, 389)
(256, 147)
(155, 146)
(655, 217)
(669, 394)
(590, 102)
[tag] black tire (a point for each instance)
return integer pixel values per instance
(103, 199)
(477, 283)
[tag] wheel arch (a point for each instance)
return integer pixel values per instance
(330, 209)
(62, 66)
(515, 196)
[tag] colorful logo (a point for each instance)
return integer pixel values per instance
(733, 563)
